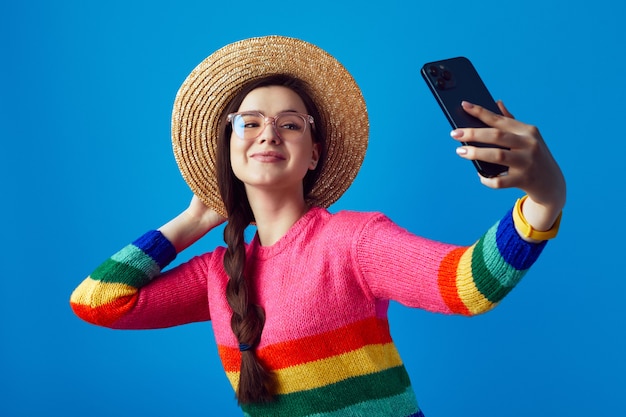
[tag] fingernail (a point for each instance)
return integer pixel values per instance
(467, 105)
(461, 151)
(456, 133)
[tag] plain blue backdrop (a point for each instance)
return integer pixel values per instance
(86, 165)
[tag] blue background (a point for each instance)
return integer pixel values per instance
(86, 166)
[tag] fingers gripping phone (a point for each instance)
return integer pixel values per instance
(452, 81)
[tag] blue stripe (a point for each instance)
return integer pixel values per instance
(155, 245)
(516, 251)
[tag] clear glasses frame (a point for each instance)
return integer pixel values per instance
(284, 132)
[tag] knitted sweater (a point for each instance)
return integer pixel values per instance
(325, 287)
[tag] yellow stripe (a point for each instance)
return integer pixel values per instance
(473, 299)
(367, 360)
(97, 293)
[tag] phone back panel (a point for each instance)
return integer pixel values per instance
(457, 80)
(452, 81)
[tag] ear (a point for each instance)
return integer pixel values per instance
(315, 156)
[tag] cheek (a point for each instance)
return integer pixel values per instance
(309, 152)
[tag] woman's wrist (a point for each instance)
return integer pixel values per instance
(536, 222)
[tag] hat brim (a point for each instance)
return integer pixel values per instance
(216, 80)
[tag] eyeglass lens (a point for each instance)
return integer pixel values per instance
(287, 126)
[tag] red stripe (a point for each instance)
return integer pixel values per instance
(447, 282)
(107, 314)
(295, 352)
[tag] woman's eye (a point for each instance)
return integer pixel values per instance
(250, 122)
(290, 122)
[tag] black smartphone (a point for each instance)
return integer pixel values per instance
(452, 81)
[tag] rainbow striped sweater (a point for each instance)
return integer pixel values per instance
(325, 287)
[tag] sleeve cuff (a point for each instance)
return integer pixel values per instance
(155, 245)
(516, 251)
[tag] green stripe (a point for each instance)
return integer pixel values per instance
(114, 272)
(493, 276)
(403, 404)
(130, 266)
(373, 389)
(508, 275)
(133, 256)
(400, 405)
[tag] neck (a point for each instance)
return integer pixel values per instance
(275, 214)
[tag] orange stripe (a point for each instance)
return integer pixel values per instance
(448, 270)
(313, 348)
(107, 314)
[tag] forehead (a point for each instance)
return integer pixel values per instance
(272, 99)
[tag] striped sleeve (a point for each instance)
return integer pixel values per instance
(112, 290)
(440, 277)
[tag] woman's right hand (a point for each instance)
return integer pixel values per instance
(190, 225)
(207, 216)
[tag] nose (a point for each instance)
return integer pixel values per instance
(269, 132)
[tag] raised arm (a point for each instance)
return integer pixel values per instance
(128, 290)
(472, 280)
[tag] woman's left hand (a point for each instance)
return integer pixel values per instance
(532, 167)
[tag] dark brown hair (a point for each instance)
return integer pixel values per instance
(247, 321)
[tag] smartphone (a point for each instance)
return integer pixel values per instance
(452, 81)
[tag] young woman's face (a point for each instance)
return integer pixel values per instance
(268, 160)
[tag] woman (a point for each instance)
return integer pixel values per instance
(272, 131)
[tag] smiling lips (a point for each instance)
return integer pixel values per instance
(267, 156)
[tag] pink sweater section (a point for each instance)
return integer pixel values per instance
(341, 268)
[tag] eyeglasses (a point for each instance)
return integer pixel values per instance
(289, 126)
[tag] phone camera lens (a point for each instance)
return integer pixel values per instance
(441, 83)
(432, 70)
(447, 75)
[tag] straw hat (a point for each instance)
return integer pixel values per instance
(216, 80)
